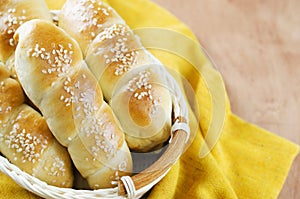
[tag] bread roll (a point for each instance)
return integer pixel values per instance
(14, 13)
(26, 140)
(50, 67)
(128, 74)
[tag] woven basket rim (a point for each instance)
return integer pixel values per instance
(44, 190)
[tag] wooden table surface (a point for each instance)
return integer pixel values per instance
(256, 47)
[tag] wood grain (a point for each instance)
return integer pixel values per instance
(256, 46)
(161, 166)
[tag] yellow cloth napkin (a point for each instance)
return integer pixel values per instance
(246, 162)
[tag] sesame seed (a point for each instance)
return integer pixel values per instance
(121, 54)
(25, 144)
(57, 168)
(141, 82)
(112, 31)
(77, 84)
(11, 42)
(61, 57)
(12, 21)
(101, 133)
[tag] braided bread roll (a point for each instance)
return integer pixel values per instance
(26, 140)
(128, 74)
(14, 13)
(51, 69)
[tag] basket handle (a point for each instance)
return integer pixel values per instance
(161, 166)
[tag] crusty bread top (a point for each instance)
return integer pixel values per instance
(96, 17)
(113, 52)
(52, 56)
(26, 140)
(51, 69)
(14, 13)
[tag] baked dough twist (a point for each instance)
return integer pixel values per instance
(50, 67)
(13, 13)
(26, 140)
(129, 75)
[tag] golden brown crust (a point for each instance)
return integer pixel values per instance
(50, 55)
(50, 67)
(141, 110)
(144, 104)
(112, 53)
(26, 140)
(12, 94)
(14, 13)
(56, 169)
(92, 16)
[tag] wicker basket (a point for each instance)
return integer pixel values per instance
(142, 182)
(129, 186)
